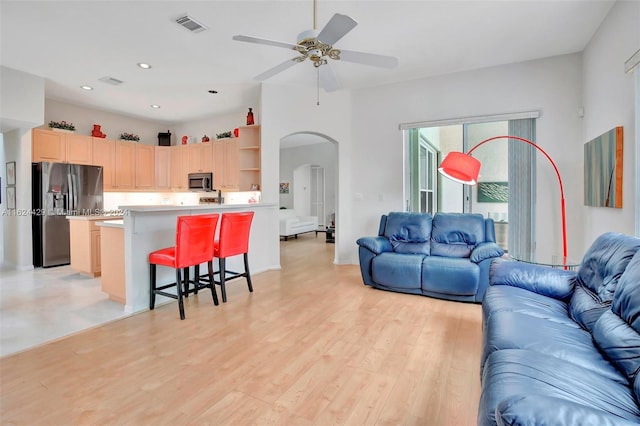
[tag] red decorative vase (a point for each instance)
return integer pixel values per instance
(236, 132)
(185, 139)
(250, 117)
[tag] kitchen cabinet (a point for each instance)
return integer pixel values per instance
(84, 245)
(249, 153)
(225, 159)
(163, 167)
(179, 167)
(104, 152)
(144, 169)
(125, 165)
(200, 157)
(60, 147)
(79, 149)
(112, 250)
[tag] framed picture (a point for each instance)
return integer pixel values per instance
(284, 187)
(11, 173)
(11, 197)
(603, 170)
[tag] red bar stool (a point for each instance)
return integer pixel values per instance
(194, 245)
(233, 240)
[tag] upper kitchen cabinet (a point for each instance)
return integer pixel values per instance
(179, 167)
(200, 157)
(104, 154)
(79, 149)
(249, 153)
(163, 167)
(60, 147)
(225, 159)
(145, 164)
(125, 162)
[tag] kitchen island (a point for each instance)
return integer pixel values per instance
(149, 228)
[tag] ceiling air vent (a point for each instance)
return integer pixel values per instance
(191, 24)
(110, 80)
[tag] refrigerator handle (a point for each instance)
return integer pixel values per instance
(71, 194)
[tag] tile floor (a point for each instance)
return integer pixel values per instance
(44, 304)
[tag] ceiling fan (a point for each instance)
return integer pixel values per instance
(317, 46)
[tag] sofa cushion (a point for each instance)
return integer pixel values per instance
(456, 234)
(450, 275)
(397, 270)
(409, 232)
(512, 372)
(500, 298)
(617, 332)
(586, 307)
(605, 261)
(561, 339)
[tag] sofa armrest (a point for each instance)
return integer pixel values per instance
(486, 250)
(376, 245)
(546, 410)
(556, 283)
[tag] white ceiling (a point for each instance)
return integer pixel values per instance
(73, 43)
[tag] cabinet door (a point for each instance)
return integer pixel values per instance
(125, 165)
(145, 166)
(194, 153)
(95, 252)
(219, 180)
(163, 167)
(206, 160)
(104, 152)
(47, 145)
(79, 149)
(232, 168)
(179, 166)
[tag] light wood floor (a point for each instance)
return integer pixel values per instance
(310, 346)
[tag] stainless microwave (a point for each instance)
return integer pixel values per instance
(201, 182)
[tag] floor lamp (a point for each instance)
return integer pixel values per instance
(463, 168)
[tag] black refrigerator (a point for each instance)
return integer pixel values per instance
(60, 190)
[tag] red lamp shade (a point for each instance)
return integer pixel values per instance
(460, 167)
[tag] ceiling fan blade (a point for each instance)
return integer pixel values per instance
(368, 59)
(328, 79)
(336, 28)
(275, 70)
(264, 41)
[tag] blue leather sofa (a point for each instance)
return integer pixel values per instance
(445, 256)
(563, 347)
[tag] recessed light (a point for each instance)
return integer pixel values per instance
(155, 106)
(213, 92)
(86, 87)
(144, 66)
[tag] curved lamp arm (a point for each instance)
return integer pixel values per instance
(463, 168)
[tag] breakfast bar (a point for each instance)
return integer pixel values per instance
(149, 228)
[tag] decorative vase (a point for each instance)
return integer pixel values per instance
(250, 117)
(205, 138)
(185, 139)
(236, 132)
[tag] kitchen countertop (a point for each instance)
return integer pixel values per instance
(170, 207)
(118, 223)
(94, 217)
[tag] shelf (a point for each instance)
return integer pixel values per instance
(252, 169)
(256, 148)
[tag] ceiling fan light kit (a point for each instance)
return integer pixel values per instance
(317, 46)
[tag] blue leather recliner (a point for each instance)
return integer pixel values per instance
(445, 256)
(563, 347)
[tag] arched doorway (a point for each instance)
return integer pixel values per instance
(314, 155)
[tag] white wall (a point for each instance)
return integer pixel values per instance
(321, 154)
(210, 126)
(17, 227)
(112, 124)
(22, 100)
(609, 102)
(551, 85)
(287, 110)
